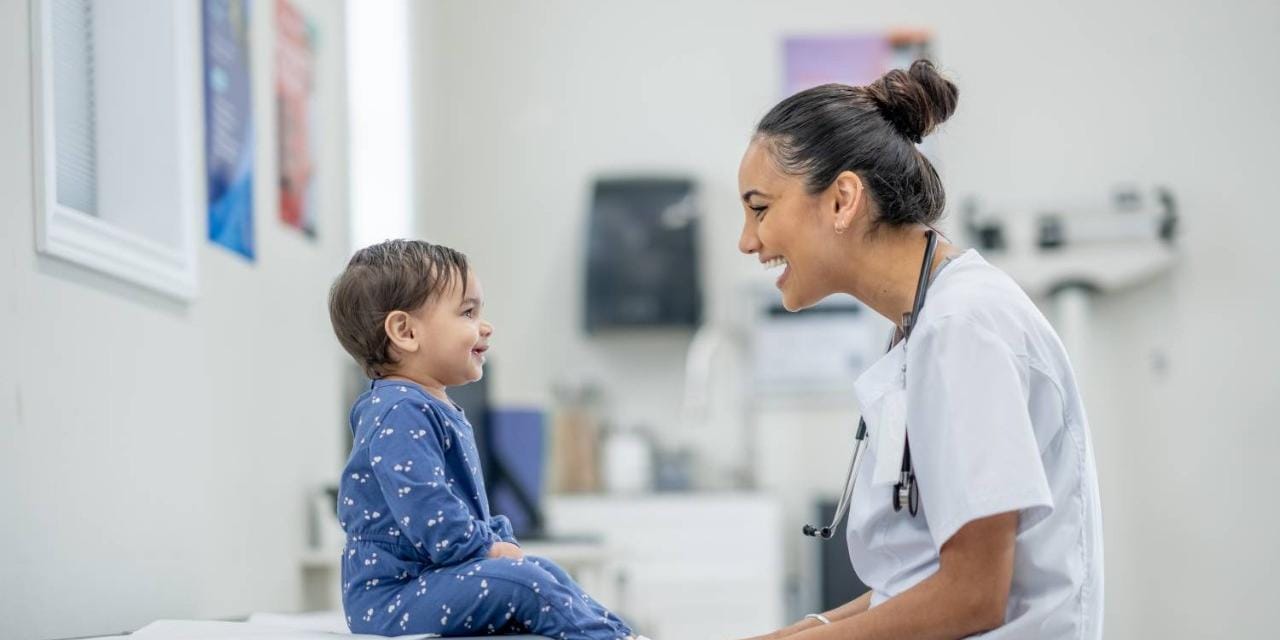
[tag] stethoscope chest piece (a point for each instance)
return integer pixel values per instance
(906, 493)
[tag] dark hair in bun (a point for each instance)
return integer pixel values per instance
(914, 101)
(872, 131)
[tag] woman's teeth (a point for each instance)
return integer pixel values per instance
(775, 263)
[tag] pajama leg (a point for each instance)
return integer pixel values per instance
(562, 603)
(490, 596)
(563, 578)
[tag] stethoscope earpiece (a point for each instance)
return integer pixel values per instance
(814, 532)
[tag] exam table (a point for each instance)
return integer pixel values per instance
(311, 626)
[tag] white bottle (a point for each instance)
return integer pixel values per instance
(628, 462)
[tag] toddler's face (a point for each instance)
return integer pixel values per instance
(454, 337)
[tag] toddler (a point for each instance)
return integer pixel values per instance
(423, 553)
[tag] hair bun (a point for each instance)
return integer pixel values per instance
(914, 101)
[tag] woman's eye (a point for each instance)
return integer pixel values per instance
(759, 211)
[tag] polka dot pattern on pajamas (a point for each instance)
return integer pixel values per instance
(413, 504)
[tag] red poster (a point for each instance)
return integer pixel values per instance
(295, 116)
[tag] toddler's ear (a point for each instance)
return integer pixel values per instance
(399, 328)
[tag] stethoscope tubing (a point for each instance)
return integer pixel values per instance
(906, 484)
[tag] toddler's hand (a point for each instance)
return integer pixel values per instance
(505, 550)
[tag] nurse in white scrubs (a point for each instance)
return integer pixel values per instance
(1007, 541)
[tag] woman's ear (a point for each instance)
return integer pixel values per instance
(849, 193)
(399, 328)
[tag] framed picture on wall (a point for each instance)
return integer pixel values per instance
(852, 59)
(296, 116)
(228, 125)
(116, 118)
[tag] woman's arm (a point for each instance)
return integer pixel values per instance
(851, 608)
(967, 595)
(848, 609)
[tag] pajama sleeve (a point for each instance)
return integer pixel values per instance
(407, 457)
(501, 527)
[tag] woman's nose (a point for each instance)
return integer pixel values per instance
(748, 243)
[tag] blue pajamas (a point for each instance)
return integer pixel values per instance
(413, 504)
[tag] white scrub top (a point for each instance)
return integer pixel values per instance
(996, 424)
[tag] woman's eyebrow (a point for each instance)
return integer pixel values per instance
(754, 192)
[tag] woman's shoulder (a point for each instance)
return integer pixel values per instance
(971, 294)
(970, 283)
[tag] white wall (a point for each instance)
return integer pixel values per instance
(522, 103)
(156, 455)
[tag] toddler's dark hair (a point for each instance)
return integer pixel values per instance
(396, 275)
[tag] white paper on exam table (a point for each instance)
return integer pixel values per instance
(219, 630)
(272, 627)
(332, 621)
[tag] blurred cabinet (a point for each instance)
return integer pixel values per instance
(685, 566)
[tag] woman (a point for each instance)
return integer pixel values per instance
(980, 400)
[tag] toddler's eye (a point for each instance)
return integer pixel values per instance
(470, 313)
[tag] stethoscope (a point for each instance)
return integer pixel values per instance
(905, 493)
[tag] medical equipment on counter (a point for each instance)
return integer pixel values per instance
(905, 493)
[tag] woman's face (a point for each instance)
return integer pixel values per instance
(787, 227)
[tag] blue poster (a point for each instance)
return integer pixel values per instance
(228, 124)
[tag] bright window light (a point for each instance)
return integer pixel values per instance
(381, 130)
